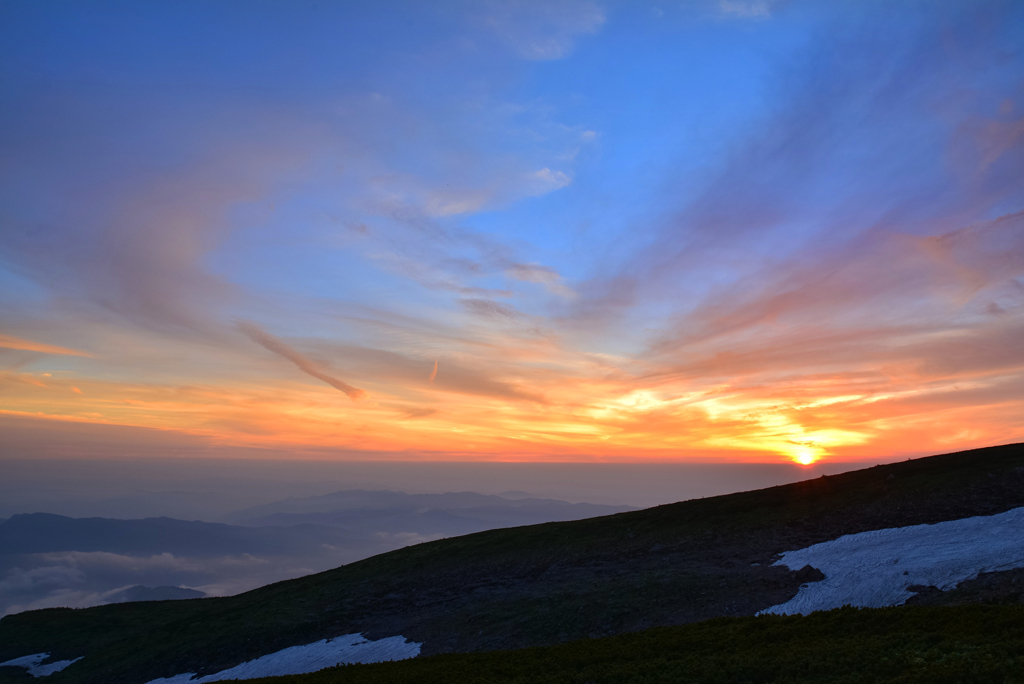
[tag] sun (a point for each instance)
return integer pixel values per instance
(804, 454)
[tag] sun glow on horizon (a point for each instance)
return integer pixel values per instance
(805, 455)
(654, 424)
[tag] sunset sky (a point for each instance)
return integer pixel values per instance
(704, 230)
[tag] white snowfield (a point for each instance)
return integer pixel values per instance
(874, 569)
(343, 650)
(31, 663)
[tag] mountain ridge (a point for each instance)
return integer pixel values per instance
(366, 500)
(27, 533)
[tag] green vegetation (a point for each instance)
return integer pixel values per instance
(929, 645)
(530, 586)
(85, 631)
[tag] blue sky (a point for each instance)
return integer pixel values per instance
(620, 230)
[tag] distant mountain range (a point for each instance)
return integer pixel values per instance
(550, 583)
(35, 533)
(433, 515)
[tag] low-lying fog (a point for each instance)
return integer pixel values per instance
(81, 533)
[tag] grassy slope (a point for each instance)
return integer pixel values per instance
(928, 645)
(533, 585)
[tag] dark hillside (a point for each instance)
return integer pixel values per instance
(849, 646)
(535, 585)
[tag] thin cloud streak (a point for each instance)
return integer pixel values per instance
(541, 31)
(12, 342)
(271, 343)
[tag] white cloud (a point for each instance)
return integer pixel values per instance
(107, 560)
(746, 9)
(48, 577)
(451, 202)
(537, 273)
(545, 180)
(543, 30)
(79, 579)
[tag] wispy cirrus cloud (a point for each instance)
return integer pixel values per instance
(542, 30)
(12, 342)
(747, 9)
(271, 343)
(786, 282)
(538, 273)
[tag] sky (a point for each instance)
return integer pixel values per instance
(716, 231)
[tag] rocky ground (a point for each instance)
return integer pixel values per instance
(988, 588)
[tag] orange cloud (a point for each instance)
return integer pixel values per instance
(807, 366)
(11, 342)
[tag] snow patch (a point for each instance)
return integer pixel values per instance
(874, 569)
(343, 650)
(31, 663)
